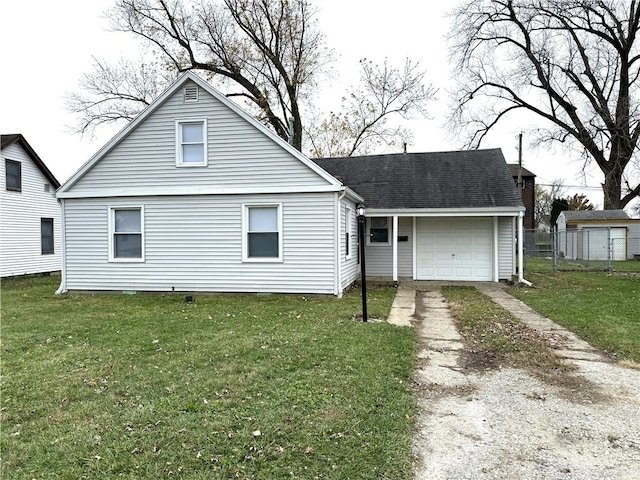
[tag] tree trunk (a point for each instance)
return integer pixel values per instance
(612, 188)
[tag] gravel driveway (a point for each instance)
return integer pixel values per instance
(506, 424)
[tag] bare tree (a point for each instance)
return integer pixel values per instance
(544, 197)
(266, 52)
(575, 64)
(362, 125)
(116, 93)
(269, 53)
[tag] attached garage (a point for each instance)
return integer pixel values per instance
(450, 216)
(454, 248)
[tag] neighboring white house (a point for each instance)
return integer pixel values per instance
(598, 235)
(197, 195)
(30, 228)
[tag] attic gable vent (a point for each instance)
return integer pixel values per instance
(190, 94)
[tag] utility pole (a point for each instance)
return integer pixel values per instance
(520, 161)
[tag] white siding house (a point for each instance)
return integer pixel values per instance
(197, 195)
(30, 227)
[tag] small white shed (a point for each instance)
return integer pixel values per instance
(598, 235)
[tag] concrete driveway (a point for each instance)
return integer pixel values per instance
(506, 424)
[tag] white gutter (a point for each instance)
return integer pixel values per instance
(338, 276)
(521, 250)
(63, 270)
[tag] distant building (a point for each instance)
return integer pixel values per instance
(528, 193)
(30, 229)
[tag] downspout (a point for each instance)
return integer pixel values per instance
(63, 270)
(338, 276)
(521, 250)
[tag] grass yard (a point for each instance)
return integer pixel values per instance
(545, 264)
(602, 308)
(233, 386)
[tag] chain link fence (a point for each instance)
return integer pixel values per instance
(605, 248)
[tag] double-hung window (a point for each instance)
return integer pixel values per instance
(262, 240)
(191, 143)
(46, 235)
(347, 232)
(379, 230)
(126, 235)
(13, 175)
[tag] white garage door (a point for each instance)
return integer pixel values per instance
(454, 249)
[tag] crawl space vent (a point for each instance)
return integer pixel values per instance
(190, 94)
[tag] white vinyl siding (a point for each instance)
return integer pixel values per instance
(20, 219)
(238, 156)
(191, 143)
(379, 256)
(506, 248)
(194, 243)
(350, 268)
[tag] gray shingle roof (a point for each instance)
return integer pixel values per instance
(462, 179)
(586, 215)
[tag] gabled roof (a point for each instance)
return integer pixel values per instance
(514, 170)
(462, 179)
(168, 93)
(594, 215)
(10, 139)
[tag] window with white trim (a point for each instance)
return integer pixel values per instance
(46, 236)
(379, 230)
(262, 239)
(126, 234)
(191, 143)
(347, 232)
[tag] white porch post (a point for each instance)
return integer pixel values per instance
(520, 246)
(395, 248)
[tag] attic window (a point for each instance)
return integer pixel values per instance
(190, 94)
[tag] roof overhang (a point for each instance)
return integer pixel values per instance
(446, 212)
(206, 190)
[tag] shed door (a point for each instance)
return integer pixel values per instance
(454, 249)
(597, 241)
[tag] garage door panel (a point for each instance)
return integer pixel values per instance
(454, 248)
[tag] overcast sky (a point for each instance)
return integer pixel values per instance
(47, 46)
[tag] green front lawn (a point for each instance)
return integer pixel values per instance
(233, 386)
(602, 308)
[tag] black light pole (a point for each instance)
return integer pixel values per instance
(363, 273)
